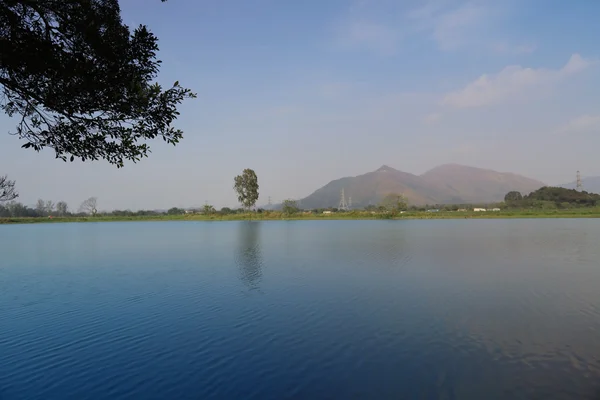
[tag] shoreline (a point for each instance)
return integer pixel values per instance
(358, 216)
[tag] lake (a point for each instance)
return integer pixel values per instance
(431, 309)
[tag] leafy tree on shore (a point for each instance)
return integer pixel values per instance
(393, 203)
(290, 207)
(175, 211)
(81, 82)
(7, 189)
(513, 196)
(513, 199)
(246, 188)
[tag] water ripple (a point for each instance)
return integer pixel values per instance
(340, 309)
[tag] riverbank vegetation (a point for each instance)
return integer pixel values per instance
(547, 202)
(261, 215)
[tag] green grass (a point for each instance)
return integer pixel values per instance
(353, 215)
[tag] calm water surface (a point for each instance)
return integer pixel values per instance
(473, 309)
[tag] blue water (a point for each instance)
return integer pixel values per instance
(465, 309)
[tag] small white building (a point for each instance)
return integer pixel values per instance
(479, 209)
(495, 209)
(327, 212)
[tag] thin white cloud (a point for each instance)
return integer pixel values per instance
(456, 24)
(453, 28)
(512, 80)
(451, 24)
(367, 35)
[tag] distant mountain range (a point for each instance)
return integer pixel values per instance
(445, 184)
(590, 184)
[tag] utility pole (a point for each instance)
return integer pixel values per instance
(579, 184)
(343, 205)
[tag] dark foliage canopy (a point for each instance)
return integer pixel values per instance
(81, 82)
(558, 196)
(513, 196)
(562, 195)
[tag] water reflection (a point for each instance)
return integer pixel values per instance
(386, 249)
(456, 309)
(249, 257)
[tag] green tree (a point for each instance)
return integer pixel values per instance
(226, 211)
(7, 189)
(290, 207)
(513, 198)
(81, 82)
(208, 209)
(393, 203)
(175, 211)
(246, 188)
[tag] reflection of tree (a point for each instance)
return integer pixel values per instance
(249, 258)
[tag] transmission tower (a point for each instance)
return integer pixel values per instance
(269, 203)
(349, 202)
(343, 205)
(579, 184)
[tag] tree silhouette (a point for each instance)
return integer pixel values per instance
(81, 82)
(7, 189)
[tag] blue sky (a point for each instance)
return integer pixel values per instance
(308, 91)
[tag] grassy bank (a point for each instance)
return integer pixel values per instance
(353, 215)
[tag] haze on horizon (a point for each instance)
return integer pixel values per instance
(306, 92)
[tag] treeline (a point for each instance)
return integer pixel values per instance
(549, 197)
(49, 209)
(46, 208)
(42, 209)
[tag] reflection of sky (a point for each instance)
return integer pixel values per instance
(482, 300)
(249, 258)
(524, 293)
(347, 309)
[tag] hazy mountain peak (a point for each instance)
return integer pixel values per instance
(384, 168)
